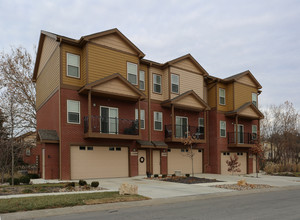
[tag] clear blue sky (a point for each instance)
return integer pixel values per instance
(225, 36)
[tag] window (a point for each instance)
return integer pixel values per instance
(222, 96)
(254, 132)
(175, 83)
(118, 149)
(158, 121)
(73, 108)
(81, 147)
(142, 80)
(226, 153)
(181, 127)
(109, 122)
(222, 128)
(157, 83)
(254, 99)
(201, 126)
(240, 154)
(73, 65)
(199, 150)
(142, 117)
(132, 73)
(111, 149)
(27, 151)
(169, 150)
(90, 148)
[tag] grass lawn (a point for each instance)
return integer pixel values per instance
(46, 202)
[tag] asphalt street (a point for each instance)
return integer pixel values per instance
(284, 204)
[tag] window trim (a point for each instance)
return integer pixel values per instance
(256, 103)
(222, 129)
(254, 133)
(70, 100)
(153, 74)
(143, 89)
(158, 121)
(222, 89)
(102, 106)
(137, 78)
(200, 124)
(137, 117)
(175, 84)
(76, 77)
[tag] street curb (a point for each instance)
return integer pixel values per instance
(122, 205)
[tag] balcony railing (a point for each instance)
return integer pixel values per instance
(181, 131)
(242, 138)
(111, 125)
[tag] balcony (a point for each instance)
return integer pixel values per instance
(111, 127)
(181, 132)
(243, 139)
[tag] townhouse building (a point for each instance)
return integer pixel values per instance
(105, 111)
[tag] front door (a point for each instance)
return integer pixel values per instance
(109, 120)
(240, 134)
(142, 162)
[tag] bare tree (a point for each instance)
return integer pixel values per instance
(189, 141)
(233, 164)
(258, 152)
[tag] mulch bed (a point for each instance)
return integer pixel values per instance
(188, 180)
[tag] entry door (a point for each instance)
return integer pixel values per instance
(181, 127)
(109, 120)
(142, 162)
(43, 163)
(156, 162)
(240, 134)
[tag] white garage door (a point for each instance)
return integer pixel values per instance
(242, 159)
(178, 159)
(98, 162)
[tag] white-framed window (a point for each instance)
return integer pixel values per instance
(142, 117)
(175, 83)
(156, 83)
(222, 96)
(109, 122)
(132, 73)
(181, 127)
(201, 126)
(142, 80)
(73, 112)
(222, 128)
(254, 132)
(254, 99)
(158, 121)
(27, 151)
(73, 65)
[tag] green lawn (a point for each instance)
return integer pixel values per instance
(46, 202)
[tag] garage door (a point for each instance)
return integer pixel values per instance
(98, 162)
(178, 159)
(242, 159)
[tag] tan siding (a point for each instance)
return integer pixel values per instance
(114, 41)
(66, 79)
(205, 92)
(83, 65)
(188, 81)
(115, 86)
(246, 80)
(156, 96)
(48, 48)
(248, 112)
(188, 65)
(48, 80)
(211, 96)
(190, 101)
(145, 69)
(165, 84)
(243, 94)
(103, 62)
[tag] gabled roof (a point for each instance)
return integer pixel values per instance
(178, 98)
(47, 136)
(243, 108)
(109, 78)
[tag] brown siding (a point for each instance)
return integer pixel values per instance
(246, 80)
(187, 64)
(116, 42)
(243, 94)
(211, 96)
(48, 80)
(83, 65)
(103, 62)
(66, 79)
(188, 81)
(222, 107)
(48, 48)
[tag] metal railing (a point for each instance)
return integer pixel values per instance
(181, 131)
(111, 125)
(241, 138)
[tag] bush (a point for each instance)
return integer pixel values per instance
(16, 181)
(82, 183)
(27, 191)
(173, 175)
(71, 184)
(155, 175)
(164, 175)
(25, 179)
(95, 184)
(187, 175)
(33, 176)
